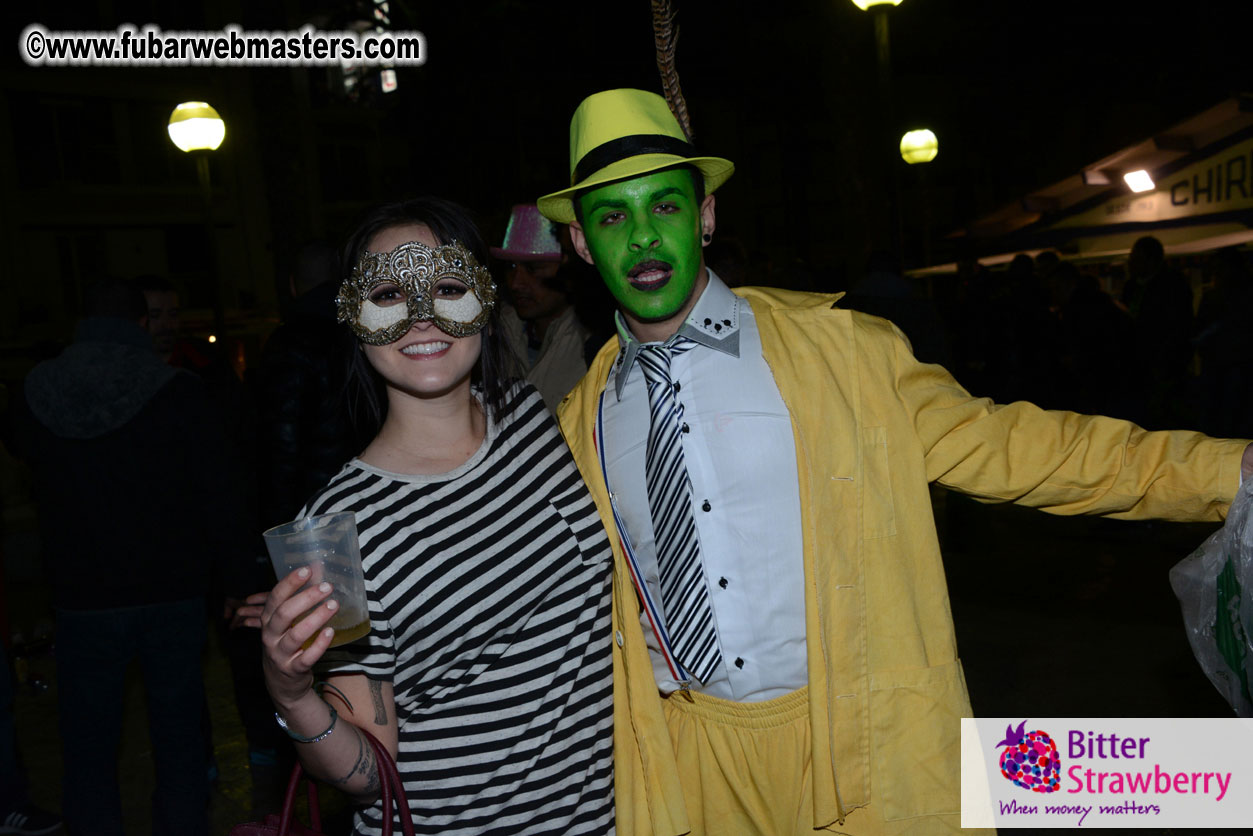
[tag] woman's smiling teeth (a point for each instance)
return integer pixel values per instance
(425, 348)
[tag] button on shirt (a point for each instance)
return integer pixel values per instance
(741, 460)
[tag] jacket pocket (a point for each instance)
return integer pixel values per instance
(916, 740)
(878, 514)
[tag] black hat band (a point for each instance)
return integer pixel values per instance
(628, 146)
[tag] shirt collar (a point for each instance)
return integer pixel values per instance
(714, 323)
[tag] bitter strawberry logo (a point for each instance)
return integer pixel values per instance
(1030, 759)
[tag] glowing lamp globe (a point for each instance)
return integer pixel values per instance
(919, 146)
(866, 4)
(195, 126)
(1139, 181)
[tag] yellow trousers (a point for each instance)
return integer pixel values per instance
(745, 770)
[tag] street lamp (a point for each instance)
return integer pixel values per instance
(1139, 181)
(195, 126)
(919, 146)
(197, 129)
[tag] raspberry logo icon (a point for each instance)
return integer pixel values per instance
(1030, 759)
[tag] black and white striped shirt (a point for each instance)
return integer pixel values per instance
(489, 607)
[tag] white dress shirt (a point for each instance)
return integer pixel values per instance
(741, 459)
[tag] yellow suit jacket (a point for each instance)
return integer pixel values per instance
(873, 427)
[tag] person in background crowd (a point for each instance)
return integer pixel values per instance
(304, 438)
(165, 325)
(540, 325)
(18, 816)
(1022, 335)
(884, 292)
(306, 431)
(229, 397)
(1095, 332)
(1160, 303)
(131, 474)
(234, 409)
(164, 316)
(1224, 343)
(967, 313)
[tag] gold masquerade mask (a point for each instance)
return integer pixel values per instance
(388, 292)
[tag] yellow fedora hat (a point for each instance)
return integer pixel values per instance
(618, 134)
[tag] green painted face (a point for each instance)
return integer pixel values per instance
(644, 236)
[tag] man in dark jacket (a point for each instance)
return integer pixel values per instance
(304, 439)
(305, 429)
(129, 466)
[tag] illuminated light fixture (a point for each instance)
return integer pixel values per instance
(195, 126)
(213, 338)
(1139, 181)
(866, 4)
(919, 146)
(387, 80)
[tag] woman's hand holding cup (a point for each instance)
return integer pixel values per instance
(290, 620)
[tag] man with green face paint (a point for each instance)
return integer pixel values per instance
(784, 657)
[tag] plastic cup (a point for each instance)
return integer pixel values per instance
(327, 544)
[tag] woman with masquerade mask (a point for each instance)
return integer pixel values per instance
(487, 669)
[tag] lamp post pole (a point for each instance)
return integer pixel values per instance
(879, 10)
(197, 129)
(211, 256)
(883, 48)
(919, 147)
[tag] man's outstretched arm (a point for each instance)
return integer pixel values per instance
(1064, 462)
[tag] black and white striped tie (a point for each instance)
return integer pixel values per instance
(684, 592)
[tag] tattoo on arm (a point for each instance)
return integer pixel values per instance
(372, 780)
(364, 766)
(376, 696)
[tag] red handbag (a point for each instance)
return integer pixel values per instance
(392, 791)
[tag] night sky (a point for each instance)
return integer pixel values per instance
(1020, 95)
